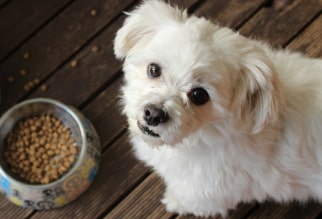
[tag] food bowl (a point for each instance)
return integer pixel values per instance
(74, 181)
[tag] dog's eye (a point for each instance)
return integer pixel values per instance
(198, 96)
(154, 70)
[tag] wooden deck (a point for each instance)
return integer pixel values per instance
(55, 32)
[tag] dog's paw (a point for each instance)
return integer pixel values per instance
(170, 202)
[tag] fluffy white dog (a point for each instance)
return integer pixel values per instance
(223, 119)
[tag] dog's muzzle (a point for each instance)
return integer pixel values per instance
(153, 116)
(147, 131)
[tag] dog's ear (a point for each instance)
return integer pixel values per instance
(257, 97)
(143, 23)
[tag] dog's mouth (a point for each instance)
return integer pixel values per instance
(147, 131)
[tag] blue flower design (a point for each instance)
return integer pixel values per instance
(92, 173)
(5, 185)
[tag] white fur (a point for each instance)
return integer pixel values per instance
(259, 136)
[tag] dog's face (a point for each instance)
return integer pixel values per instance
(184, 73)
(170, 89)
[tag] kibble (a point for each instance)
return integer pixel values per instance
(43, 87)
(11, 79)
(95, 49)
(30, 84)
(23, 72)
(93, 12)
(36, 81)
(37, 158)
(26, 55)
(26, 87)
(73, 63)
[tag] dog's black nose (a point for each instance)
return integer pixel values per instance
(155, 114)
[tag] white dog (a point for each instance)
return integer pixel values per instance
(222, 118)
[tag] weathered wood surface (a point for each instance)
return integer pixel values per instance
(65, 31)
(22, 18)
(280, 27)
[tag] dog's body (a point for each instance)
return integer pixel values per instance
(222, 118)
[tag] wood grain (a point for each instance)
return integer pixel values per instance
(22, 19)
(229, 13)
(279, 27)
(92, 71)
(10, 210)
(270, 210)
(310, 40)
(3, 2)
(62, 37)
(143, 202)
(105, 114)
(241, 211)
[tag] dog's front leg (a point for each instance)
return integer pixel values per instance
(170, 202)
(188, 203)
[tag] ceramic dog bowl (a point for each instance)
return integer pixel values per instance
(70, 185)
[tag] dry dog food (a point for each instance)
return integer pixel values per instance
(40, 149)
(93, 12)
(23, 72)
(26, 87)
(11, 79)
(73, 63)
(26, 55)
(43, 87)
(95, 49)
(31, 84)
(36, 80)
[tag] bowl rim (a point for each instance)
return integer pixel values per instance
(72, 112)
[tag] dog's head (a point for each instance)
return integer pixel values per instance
(183, 73)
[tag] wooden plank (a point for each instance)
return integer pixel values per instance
(10, 210)
(279, 26)
(241, 211)
(270, 210)
(54, 44)
(310, 40)
(229, 13)
(42, 65)
(117, 174)
(105, 113)
(3, 2)
(143, 202)
(21, 18)
(184, 4)
(92, 71)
